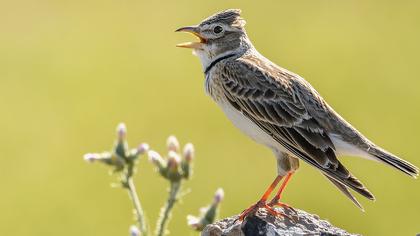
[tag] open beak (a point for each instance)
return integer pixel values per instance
(195, 31)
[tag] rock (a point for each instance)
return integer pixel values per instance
(264, 224)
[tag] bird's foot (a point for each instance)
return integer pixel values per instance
(254, 208)
(275, 202)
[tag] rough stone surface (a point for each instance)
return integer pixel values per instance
(263, 224)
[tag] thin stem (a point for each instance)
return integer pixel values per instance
(131, 188)
(166, 210)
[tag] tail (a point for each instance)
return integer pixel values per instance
(352, 182)
(346, 192)
(394, 161)
(343, 179)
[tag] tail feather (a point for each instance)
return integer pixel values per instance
(346, 192)
(395, 161)
(352, 182)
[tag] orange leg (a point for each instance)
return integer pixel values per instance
(263, 201)
(276, 199)
(271, 188)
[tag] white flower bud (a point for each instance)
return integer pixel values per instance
(121, 131)
(172, 143)
(193, 222)
(219, 195)
(134, 231)
(189, 152)
(155, 157)
(173, 160)
(142, 148)
(91, 157)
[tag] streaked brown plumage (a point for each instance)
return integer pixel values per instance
(278, 108)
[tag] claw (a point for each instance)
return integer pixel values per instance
(283, 205)
(262, 204)
(275, 202)
(251, 210)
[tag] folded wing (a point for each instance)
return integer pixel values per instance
(271, 99)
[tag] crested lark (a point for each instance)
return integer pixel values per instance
(279, 109)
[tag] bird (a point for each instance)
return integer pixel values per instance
(279, 109)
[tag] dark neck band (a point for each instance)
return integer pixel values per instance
(217, 61)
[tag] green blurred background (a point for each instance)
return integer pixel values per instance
(71, 70)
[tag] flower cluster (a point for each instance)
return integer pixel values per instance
(121, 155)
(123, 160)
(175, 166)
(207, 214)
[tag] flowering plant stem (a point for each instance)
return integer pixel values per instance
(128, 183)
(165, 214)
(137, 206)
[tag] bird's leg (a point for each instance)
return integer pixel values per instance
(270, 189)
(263, 201)
(276, 199)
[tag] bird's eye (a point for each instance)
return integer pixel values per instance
(218, 29)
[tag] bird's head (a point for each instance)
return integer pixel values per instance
(220, 34)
